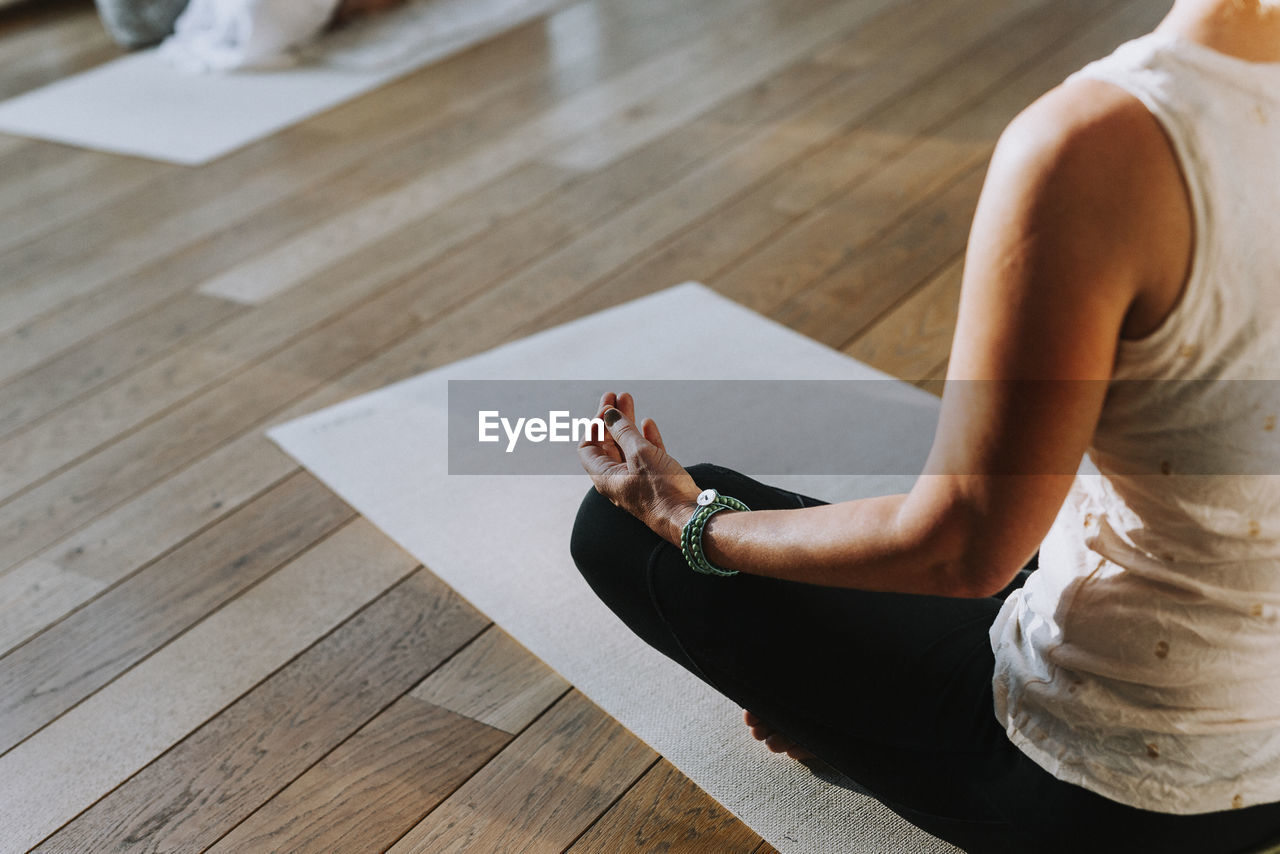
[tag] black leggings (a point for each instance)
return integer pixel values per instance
(891, 690)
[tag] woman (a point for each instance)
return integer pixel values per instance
(1120, 283)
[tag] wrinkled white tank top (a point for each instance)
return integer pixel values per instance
(1142, 660)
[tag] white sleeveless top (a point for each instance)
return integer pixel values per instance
(1142, 660)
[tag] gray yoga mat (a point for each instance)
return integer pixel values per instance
(501, 539)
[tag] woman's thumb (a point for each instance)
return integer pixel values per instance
(622, 430)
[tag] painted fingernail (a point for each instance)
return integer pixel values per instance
(611, 416)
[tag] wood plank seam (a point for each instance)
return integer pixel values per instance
(213, 843)
(514, 745)
(905, 298)
(604, 812)
(150, 561)
(407, 692)
(942, 121)
(1093, 29)
(5, 749)
(888, 104)
(328, 636)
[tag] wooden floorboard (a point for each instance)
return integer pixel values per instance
(907, 340)
(541, 792)
(202, 648)
(373, 788)
(47, 41)
(494, 681)
(233, 764)
(664, 812)
(100, 360)
(913, 82)
(424, 124)
(132, 535)
(422, 121)
(833, 234)
(202, 671)
(47, 171)
(78, 655)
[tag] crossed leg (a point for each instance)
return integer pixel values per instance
(892, 691)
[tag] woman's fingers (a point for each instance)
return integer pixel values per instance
(627, 404)
(649, 428)
(596, 460)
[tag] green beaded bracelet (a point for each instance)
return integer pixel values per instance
(710, 503)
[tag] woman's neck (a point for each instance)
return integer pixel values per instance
(1245, 29)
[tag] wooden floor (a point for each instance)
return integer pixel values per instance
(202, 648)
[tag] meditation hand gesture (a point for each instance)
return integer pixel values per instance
(631, 467)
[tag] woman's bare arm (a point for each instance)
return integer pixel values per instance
(1082, 233)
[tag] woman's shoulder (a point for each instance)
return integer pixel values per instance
(1089, 128)
(1093, 157)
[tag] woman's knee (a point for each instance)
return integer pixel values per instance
(585, 538)
(613, 550)
(712, 476)
(605, 536)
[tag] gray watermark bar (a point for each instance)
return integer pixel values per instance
(866, 427)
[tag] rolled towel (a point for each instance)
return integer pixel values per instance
(223, 35)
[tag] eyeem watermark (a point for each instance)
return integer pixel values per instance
(532, 427)
(848, 427)
(558, 426)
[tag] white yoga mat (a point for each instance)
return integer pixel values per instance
(140, 105)
(502, 540)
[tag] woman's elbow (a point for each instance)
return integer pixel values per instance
(969, 560)
(975, 579)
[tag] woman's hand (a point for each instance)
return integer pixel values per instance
(631, 467)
